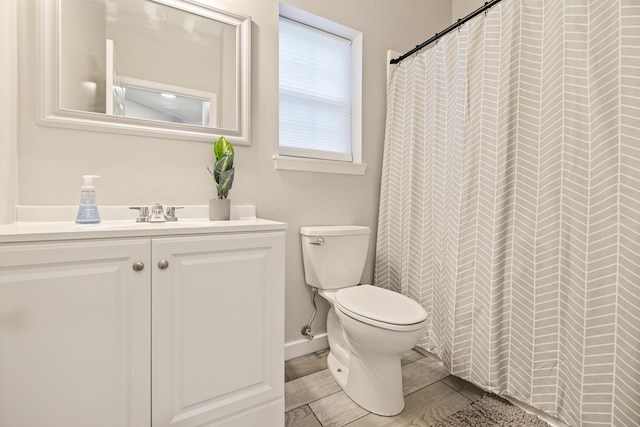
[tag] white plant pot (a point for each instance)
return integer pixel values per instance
(219, 209)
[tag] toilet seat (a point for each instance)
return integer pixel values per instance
(380, 307)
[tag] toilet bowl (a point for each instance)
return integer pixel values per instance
(368, 328)
(370, 339)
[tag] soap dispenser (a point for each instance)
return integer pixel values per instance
(88, 210)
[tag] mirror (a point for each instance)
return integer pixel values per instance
(170, 68)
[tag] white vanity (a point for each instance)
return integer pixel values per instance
(126, 324)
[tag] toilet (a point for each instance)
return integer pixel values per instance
(368, 328)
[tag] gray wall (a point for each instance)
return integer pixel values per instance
(8, 113)
(461, 8)
(139, 170)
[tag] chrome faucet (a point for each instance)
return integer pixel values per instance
(157, 213)
(143, 215)
(170, 214)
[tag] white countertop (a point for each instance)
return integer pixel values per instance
(51, 223)
(67, 230)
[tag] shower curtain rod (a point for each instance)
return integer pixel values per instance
(450, 28)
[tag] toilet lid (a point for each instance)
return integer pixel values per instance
(381, 305)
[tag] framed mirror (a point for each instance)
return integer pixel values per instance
(165, 68)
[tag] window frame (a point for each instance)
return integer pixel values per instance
(289, 158)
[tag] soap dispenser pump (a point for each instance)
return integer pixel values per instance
(88, 209)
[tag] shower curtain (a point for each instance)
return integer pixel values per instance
(510, 203)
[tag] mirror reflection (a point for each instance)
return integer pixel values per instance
(144, 103)
(149, 60)
(159, 48)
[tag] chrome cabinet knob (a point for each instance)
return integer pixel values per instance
(163, 264)
(138, 266)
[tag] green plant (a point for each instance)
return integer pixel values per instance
(223, 169)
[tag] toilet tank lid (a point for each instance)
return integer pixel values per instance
(334, 230)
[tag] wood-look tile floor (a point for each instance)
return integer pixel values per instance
(314, 399)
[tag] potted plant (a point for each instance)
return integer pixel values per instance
(223, 173)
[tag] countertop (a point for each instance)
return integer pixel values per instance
(39, 231)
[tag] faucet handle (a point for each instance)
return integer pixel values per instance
(170, 215)
(143, 213)
(157, 213)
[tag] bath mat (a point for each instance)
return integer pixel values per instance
(491, 411)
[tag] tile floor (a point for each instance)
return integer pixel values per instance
(314, 399)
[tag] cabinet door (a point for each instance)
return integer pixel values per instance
(74, 334)
(218, 330)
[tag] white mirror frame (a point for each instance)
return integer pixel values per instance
(51, 114)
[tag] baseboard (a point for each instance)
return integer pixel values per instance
(304, 346)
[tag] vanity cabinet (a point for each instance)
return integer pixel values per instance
(146, 331)
(217, 330)
(74, 334)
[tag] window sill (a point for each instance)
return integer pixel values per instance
(315, 165)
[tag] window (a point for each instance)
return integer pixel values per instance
(320, 94)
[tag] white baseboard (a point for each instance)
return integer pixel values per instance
(304, 346)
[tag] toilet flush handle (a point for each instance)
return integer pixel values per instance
(318, 242)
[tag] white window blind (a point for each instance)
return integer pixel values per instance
(315, 93)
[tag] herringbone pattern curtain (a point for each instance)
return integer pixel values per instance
(510, 203)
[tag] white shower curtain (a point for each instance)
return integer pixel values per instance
(510, 203)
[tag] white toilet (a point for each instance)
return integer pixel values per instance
(368, 327)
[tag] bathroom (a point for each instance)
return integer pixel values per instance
(42, 165)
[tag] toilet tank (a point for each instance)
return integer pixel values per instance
(334, 256)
